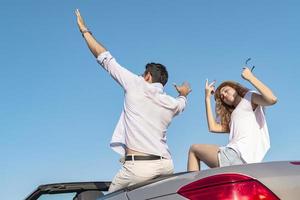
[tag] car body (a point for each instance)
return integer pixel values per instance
(267, 181)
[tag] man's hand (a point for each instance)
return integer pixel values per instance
(95, 47)
(80, 21)
(183, 89)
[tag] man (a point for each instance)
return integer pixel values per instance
(140, 135)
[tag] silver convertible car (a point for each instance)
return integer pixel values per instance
(261, 181)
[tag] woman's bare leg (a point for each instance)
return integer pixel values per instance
(207, 153)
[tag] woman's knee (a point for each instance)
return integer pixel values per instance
(194, 148)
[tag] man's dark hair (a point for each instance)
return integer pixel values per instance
(158, 72)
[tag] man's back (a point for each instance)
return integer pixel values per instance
(148, 111)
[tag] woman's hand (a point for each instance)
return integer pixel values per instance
(247, 74)
(209, 88)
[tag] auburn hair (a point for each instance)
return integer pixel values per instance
(223, 111)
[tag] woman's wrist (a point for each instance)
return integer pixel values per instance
(251, 78)
(207, 98)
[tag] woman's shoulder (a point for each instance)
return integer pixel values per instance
(248, 95)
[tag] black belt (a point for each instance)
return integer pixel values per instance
(138, 157)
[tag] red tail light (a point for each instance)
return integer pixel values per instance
(227, 187)
(295, 163)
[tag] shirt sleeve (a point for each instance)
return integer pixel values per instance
(181, 104)
(123, 76)
(248, 96)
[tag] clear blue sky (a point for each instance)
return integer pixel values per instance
(59, 108)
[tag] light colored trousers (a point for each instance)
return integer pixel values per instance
(133, 172)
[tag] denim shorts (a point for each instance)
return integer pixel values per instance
(228, 156)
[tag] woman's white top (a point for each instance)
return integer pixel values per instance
(249, 134)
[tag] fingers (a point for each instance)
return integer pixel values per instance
(186, 84)
(77, 12)
(246, 70)
(212, 83)
(184, 88)
(210, 88)
(174, 84)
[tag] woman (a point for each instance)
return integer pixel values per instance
(239, 112)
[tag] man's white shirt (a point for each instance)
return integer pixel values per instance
(146, 114)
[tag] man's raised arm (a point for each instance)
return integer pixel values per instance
(123, 76)
(95, 47)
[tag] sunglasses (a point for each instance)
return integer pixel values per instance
(246, 64)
